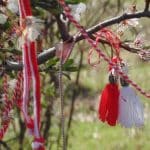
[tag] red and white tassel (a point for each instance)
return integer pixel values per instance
(24, 10)
(30, 71)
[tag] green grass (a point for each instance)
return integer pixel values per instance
(96, 135)
(99, 136)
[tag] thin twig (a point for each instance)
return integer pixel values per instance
(74, 95)
(62, 106)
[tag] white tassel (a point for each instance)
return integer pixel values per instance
(130, 108)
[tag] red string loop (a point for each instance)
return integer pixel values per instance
(111, 38)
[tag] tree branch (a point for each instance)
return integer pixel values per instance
(147, 2)
(44, 56)
(113, 21)
(62, 29)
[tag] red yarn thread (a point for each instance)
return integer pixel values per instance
(17, 94)
(8, 105)
(30, 72)
(111, 38)
(6, 109)
(108, 107)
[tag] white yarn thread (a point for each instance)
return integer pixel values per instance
(131, 111)
(130, 108)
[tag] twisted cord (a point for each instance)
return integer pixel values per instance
(92, 43)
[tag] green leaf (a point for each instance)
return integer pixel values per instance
(52, 62)
(50, 90)
(70, 69)
(51, 6)
(69, 62)
(69, 66)
(6, 26)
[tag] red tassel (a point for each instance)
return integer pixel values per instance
(108, 107)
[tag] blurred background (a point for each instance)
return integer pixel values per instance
(82, 86)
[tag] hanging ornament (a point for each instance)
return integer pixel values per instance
(30, 71)
(130, 108)
(108, 107)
